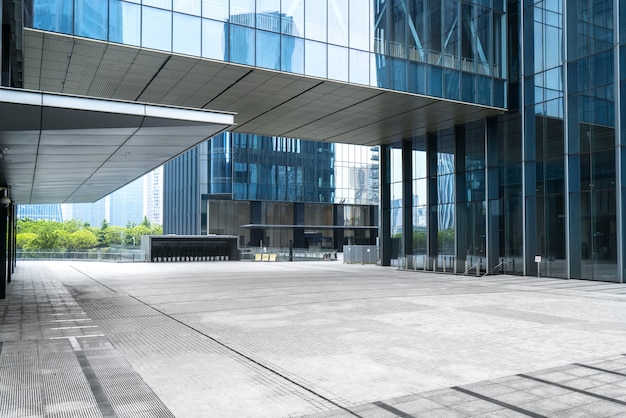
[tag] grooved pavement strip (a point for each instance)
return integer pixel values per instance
(314, 339)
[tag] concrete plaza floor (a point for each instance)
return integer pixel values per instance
(316, 339)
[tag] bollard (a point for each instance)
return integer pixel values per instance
(478, 267)
(444, 264)
(424, 263)
(435, 264)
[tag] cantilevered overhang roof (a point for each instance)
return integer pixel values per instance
(266, 102)
(65, 149)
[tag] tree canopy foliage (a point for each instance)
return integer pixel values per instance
(74, 235)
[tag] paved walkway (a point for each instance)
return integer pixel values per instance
(315, 339)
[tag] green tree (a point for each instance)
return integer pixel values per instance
(24, 239)
(114, 235)
(83, 239)
(145, 222)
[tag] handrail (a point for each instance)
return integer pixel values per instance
(470, 269)
(496, 266)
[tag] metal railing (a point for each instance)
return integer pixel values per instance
(112, 256)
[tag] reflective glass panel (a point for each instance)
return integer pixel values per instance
(161, 4)
(315, 20)
(292, 17)
(292, 54)
(359, 25)
(337, 63)
(214, 39)
(187, 36)
(359, 67)
(191, 7)
(156, 29)
(268, 50)
(215, 9)
(55, 16)
(338, 22)
(315, 59)
(268, 15)
(125, 23)
(91, 18)
(242, 44)
(242, 12)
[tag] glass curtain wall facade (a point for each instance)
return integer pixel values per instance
(273, 191)
(443, 48)
(540, 189)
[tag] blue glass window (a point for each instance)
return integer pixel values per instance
(315, 21)
(242, 45)
(161, 4)
(215, 9)
(214, 36)
(484, 90)
(268, 15)
(452, 84)
(337, 63)
(469, 88)
(338, 22)
(359, 67)
(190, 7)
(315, 59)
(156, 29)
(292, 22)
(417, 78)
(91, 19)
(242, 12)
(359, 25)
(435, 81)
(292, 54)
(267, 50)
(125, 23)
(55, 16)
(187, 36)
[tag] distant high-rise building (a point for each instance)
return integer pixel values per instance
(126, 204)
(153, 196)
(49, 212)
(273, 190)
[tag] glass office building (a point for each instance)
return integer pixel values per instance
(536, 190)
(273, 191)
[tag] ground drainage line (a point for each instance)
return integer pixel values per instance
(88, 276)
(258, 363)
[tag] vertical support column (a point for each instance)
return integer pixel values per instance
(460, 195)
(3, 252)
(384, 224)
(432, 220)
(492, 188)
(10, 241)
(407, 197)
(620, 168)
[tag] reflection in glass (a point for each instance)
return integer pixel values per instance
(268, 15)
(156, 29)
(214, 35)
(292, 17)
(315, 21)
(337, 63)
(190, 7)
(268, 50)
(292, 56)
(315, 59)
(338, 22)
(91, 18)
(161, 4)
(55, 16)
(215, 9)
(242, 12)
(242, 44)
(359, 25)
(125, 23)
(186, 34)
(359, 67)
